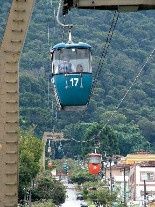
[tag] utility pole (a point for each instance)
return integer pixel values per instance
(24, 197)
(104, 165)
(30, 197)
(30, 192)
(124, 187)
(144, 193)
(111, 188)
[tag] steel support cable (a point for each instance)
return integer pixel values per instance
(125, 95)
(107, 44)
(54, 111)
(63, 29)
(104, 53)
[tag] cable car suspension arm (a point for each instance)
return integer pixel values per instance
(69, 26)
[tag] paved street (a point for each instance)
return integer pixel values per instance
(71, 200)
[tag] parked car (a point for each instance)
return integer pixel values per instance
(83, 204)
(70, 181)
(79, 196)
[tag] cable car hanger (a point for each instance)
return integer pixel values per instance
(68, 26)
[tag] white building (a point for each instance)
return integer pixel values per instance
(142, 175)
(119, 174)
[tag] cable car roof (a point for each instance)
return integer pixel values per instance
(94, 155)
(80, 45)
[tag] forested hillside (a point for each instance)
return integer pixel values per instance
(132, 43)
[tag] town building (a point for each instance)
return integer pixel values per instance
(117, 176)
(134, 175)
(138, 157)
(142, 182)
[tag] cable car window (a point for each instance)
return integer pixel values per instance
(83, 60)
(95, 160)
(72, 60)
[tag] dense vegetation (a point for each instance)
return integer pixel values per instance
(99, 194)
(94, 190)
(132, 42)
(41, 184)
(49, 188)
(30, 151)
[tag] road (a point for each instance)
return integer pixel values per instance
(71, 200)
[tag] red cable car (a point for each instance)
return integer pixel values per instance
(94, 164)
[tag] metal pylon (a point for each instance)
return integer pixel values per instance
(10, 51)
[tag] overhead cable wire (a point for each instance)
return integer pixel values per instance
(130, 87)
(105, 49)
(103, 55)
(84, 141)
(101, 61)
(124, 97)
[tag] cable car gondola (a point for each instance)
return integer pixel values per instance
(94, 165)
(72, 74)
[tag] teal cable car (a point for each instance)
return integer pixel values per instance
(72, 75)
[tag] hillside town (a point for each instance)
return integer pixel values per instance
(135, 176)
(77, 103)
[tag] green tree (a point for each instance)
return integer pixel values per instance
(48, 188)
(30, 151)
(48, 203)
(99, 193)
(129, 49)
(103, 137)
(130, 138)
(148, 129)
(82, 175)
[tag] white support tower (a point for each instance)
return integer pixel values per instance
(10, 51)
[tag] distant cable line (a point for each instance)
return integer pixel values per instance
(130, 87)
(125, 95)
